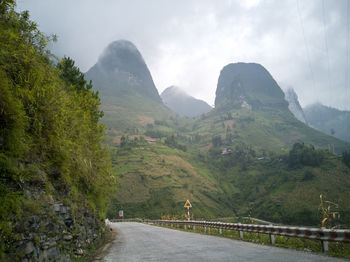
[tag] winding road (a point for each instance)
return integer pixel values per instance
(140, 242)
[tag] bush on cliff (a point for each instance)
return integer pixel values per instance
(50, 136)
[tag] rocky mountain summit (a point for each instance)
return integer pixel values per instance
(248, 85)
(183, 104)
(293, 105)
(122, 70)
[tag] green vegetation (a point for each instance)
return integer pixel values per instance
(50, 137)
(265, 170)
(346, 158)
(301, 155)
(232, 161)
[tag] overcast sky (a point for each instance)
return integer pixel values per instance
(302, 43)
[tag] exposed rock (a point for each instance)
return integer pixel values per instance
(293, 105)
(27, 248)
(67, 237)
(248, 85)
(122, 70)
(57, 234)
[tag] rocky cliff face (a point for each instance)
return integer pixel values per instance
(183, 104)
(121, 70)
(248, 85)
(53, 230)
(293, 105)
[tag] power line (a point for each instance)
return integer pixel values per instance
(347, 52)
(326, 45)
(306, 46)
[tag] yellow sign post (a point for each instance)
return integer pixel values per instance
(188, 205)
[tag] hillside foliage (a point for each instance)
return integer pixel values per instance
(50, 137)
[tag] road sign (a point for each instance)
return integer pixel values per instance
(121, 213)
(188, 204)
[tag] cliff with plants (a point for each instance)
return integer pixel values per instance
(54, 172)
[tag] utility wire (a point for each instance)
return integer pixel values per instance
(326, 45)
(347, 89)
(306, 46)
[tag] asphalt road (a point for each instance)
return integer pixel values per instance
(140, 242)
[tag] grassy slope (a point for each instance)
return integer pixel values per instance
(269, 131)
(156, 179)
(269, 188)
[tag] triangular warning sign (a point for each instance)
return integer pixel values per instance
(188, 204)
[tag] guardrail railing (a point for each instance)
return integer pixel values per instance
(322, 234)
(127, 220)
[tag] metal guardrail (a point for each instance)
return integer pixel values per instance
(126, 220)
(322, 234)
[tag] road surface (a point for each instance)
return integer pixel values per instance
(140, 242)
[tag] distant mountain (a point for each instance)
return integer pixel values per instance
(248, 85)
(329, 120)
(248, 96)
(233, 160)
(293, 104)
(122, 70)
(129, 97)
(180, 102)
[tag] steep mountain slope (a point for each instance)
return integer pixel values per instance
(122, 70)
(248, 85)
(250, 142)
(155, 175)
(234, 160)
(129, 97)
(260, 112)
(55, 174)
(180, 102)
(294, 106)
(329, 120)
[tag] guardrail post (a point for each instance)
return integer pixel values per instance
(220, 230)
(194, 227)
(240, 232)
(185, 226)
(205, 229)
(324, 246)
(272, 238)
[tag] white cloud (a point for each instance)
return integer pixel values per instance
(187, 42)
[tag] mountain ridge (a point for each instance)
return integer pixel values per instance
(248, 84)
(329, 120)
(180, 102)
(121, 70)
(233, 159)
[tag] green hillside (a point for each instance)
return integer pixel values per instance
(249, 155)
(329, 120)
(258, 177)
(51, 153)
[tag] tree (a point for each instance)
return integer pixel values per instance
(346, 158)
(216, 140)
(72, 75)
(301, 155)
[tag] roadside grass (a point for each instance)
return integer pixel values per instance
(336, 249)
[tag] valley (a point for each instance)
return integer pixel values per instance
(235, 160)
